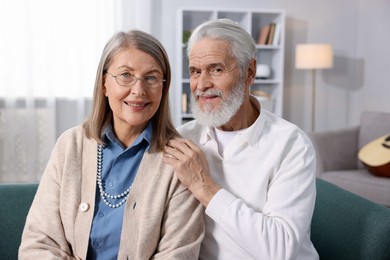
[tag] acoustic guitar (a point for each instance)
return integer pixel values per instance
(376, 156)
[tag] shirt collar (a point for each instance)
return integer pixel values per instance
(250, 135)
(145, 135)
(207, 135)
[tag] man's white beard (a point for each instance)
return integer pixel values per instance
(221, 115)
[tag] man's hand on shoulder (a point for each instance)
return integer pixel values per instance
(191, 166)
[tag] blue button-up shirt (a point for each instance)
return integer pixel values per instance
(120, 166)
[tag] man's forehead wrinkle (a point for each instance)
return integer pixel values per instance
(217, 54)
(207, 61)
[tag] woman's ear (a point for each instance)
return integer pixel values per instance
(104, 88)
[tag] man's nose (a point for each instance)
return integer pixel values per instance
(204, 81)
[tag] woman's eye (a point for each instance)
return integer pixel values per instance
(150, 78)
(126, 75)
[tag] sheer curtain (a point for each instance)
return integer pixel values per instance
(49, 52)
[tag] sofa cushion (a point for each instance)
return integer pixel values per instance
(363, 183)
(16, 200)
(336, 149)
(346, 226)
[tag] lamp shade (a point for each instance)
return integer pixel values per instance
(313, 56)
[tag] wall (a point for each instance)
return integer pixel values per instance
(356, 29)
(373, 48)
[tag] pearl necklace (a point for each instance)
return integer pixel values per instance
(103, 194)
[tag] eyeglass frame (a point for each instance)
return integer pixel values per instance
(153, 86)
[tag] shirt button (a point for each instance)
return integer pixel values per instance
(101, 214)
(83, 206)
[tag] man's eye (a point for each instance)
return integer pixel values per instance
(216, 71)
(194, 73)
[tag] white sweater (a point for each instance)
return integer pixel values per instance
(264, 210)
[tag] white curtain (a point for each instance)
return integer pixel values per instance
(49, 52)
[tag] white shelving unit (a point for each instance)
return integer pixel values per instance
(252, 21)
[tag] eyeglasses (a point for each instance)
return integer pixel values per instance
(126, 80)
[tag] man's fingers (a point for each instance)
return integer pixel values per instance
(171, 152)
(185, 146)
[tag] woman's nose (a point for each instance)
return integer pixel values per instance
(138, 88)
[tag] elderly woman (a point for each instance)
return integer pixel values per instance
(106, 193)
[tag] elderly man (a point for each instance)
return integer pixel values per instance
(253, 171)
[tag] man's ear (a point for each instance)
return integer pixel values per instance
(251, 72)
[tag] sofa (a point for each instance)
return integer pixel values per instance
(344, 225)
(337, 157)
(15, 201)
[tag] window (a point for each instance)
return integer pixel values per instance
(49, 53)
(52, 48)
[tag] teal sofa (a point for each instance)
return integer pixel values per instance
(15, 201)
(344, 225)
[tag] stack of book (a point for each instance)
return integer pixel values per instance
(269, 34)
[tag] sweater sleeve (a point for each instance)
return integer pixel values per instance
(278, 230)
(43, 235)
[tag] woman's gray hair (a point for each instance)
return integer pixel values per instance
(242, 45)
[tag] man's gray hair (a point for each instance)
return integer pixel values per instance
(242, 45)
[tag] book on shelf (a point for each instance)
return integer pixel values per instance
(277, 34)
(271, 34)
(186, 103)
(184, 106)
(263, 35)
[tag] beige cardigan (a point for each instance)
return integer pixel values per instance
(162, 220)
